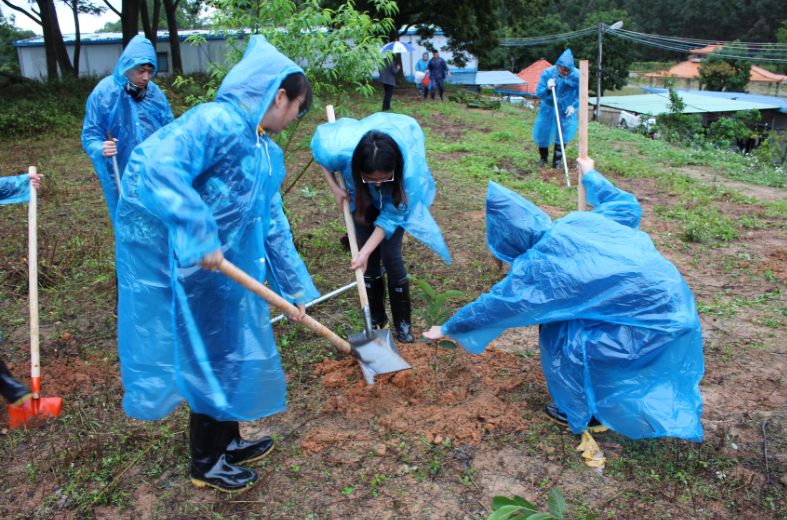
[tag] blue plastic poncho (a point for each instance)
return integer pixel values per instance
(206, 181)
(14, 189)
(621, 337)
(110, 108)
(545, 132)
(333, 146)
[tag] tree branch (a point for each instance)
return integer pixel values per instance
(15, 8)
(111, 7)
(15, 77)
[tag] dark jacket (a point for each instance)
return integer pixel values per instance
(389, 72)
(438, 69)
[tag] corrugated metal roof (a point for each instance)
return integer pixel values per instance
(489, 77)
(114, 37)
(655, 104)
(735, 96)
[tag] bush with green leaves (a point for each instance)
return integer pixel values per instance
(518, 508)
(432, 311)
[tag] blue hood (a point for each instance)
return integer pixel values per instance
(566, 59)
(139, 51)
(267, 67)
(513, 224)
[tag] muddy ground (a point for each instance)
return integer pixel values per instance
(438, 442)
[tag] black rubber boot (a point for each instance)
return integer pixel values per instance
(239, 450)
(544, 152)
(399, 294)
(209, 467)
(375, 290)
(555, 415)
(557, 158)
(11, 388)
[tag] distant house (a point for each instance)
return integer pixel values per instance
(438, 41)
(530, 75)
(99, 53)
(690, 70)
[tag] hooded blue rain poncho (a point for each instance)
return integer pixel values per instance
(204, 182)
(545, 132)
(110, 108)
(621, 337)
(333, 146)
(14, 189)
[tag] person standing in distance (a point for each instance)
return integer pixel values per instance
(438, 68)
(388, 79)
(562, 81)
(422, 66)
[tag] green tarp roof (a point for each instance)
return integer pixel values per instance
(655, 104)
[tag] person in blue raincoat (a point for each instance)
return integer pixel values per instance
(382, 159)
(202, 189)
(561, 80)
(621, 343)
(14, 190)
(422, 66)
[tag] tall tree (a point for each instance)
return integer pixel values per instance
(9, 33)
(129, 18)
(54, 46)
(81, 7)
(719, 74)
(615, 60)
(150, 24)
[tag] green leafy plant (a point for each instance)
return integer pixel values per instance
(518, 508)
(433, 311)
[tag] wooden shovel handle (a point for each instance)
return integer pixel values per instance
(280, 303)
(350, 223)
(582, 203)
(32, 246)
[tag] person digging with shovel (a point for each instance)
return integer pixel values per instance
(13, 190)
(131, 108)
(562, 81)
(382, 159)
(620, 337)
(203, 189)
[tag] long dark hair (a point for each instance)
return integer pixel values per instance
(296, 84)
(377, 152)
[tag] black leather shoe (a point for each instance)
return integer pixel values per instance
(240, 451)
(209, 466)
(555, 415)
(11, 388)
(401, 308)
(375, 290)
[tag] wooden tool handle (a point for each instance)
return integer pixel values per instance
(350, 223)
(32, 246)
(277, 301)
(582, 203)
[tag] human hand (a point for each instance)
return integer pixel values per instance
(35, 180)
(110, 148)
(585, 165)
(569, 111)
(340, 196)
(360, 262)
(212, 261)
(301, 313)
(551, 83)
(434, 334)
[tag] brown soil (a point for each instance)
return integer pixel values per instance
(462, 400)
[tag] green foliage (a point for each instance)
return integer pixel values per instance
(724, 74)
(614, 63)
(308, 34)
(9, 33)
(675, 126)
(188, 15)
(518, 508)
(433, 311)
(727, 130)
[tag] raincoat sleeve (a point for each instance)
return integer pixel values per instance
(391, 218)
(93, 136)
(287, 267)
(611, 202)
(166, 177)
(541, 89)
(14, 189)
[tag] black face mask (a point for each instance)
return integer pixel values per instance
(136, 93)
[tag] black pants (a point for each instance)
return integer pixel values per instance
(387, 98)
(389, 252)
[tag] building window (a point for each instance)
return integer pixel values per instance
(163, 63)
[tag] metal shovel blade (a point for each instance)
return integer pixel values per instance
(42, 408)
(377, 354)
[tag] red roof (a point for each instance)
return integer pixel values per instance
(531, 74)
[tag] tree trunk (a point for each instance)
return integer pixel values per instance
(49, 20)
(49, 48)
(174, 42)
(130, 20)
(150, 25)
(77, 46)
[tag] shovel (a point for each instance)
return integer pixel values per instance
(560, 133)
(375, 349)
(38, 407)
(115, 165)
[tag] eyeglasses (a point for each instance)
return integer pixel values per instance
(375, 181)
(301, 111)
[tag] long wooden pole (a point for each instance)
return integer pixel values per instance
(32, 245)
(582, 203)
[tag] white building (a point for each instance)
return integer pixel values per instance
(99, 53)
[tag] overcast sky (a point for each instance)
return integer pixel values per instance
(87, 24)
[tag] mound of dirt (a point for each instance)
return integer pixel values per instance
(460, 400)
